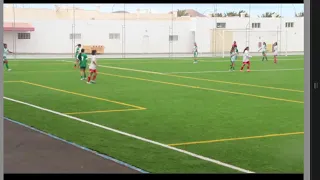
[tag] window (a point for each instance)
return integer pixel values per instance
(173, 38)
(256, 25)
(24, 36)
(114, 35)
(221, 25)
(75, 36)
(289, 24)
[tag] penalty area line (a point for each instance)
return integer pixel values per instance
(134, 137)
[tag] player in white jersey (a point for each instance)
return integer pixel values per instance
(263, 49)
(93, 68)
(233, 57)
(195, 53)
(5, 53)
(275, 52)
(246, 59)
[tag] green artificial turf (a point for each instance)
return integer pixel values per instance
(170, 101)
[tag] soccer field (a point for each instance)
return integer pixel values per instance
(169, 115)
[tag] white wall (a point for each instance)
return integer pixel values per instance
(52, 36)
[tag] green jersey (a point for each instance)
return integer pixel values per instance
(77, 52)
(83, 60)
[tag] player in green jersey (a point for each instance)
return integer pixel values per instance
(83, 58)
(78, 50)
(195, 53)
(5, 53)
(263, 48)
(233, 57)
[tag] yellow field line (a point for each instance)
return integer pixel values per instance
(106, 111)
(209, 89)
(235, 139)
(202, 79)
(235, 83)
(43, 71)
(74, 93)
(12, 81)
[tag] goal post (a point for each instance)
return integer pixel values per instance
(253, 38)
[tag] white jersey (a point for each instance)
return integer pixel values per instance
(246, 56)
(93, 63)
(275, 50)
(195, 49)
(263, 48)
(5, 52)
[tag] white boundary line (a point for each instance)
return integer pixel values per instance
(259, 70)
(135, 137)
(78, 146)
(212, 60)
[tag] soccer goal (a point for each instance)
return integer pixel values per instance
(222, 40)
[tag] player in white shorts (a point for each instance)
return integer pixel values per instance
(246, 59)
(275, 52)
(93, 68)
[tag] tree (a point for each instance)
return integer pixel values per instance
(182, 13)
(269, 14)
(242, 11)
(300, 14)
(217, 15)
(231, 14)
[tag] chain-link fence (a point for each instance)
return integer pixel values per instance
(146, 30)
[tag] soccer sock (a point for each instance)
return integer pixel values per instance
(89, 78)
(7, 66)
(266, 58)
(262, 58)
(94, 77)
(248, 67)
(242, 67)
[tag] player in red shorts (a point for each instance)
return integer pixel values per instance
(246, 59)
(93, 68)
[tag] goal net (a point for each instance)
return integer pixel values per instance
(222, 40)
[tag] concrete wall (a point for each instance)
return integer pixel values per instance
(150, 36)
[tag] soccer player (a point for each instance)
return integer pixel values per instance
(76, 55)
(246, 59)
(233, 57)
(234, 44)
(195, 53)
(5, 53)
(93, 68)
(263, 48)
(83, 64)
(275, 52)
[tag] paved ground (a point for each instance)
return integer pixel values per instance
(28, 151)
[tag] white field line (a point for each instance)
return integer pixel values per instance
(135, 137)
(111, 60)
(259, 70)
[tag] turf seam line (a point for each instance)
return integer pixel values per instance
(235, 139)
(79, 146)
(135, 137)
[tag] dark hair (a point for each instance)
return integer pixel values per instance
(94, 52)
(4, 44)
(245, 49)
(79, 45)
(82, 50)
